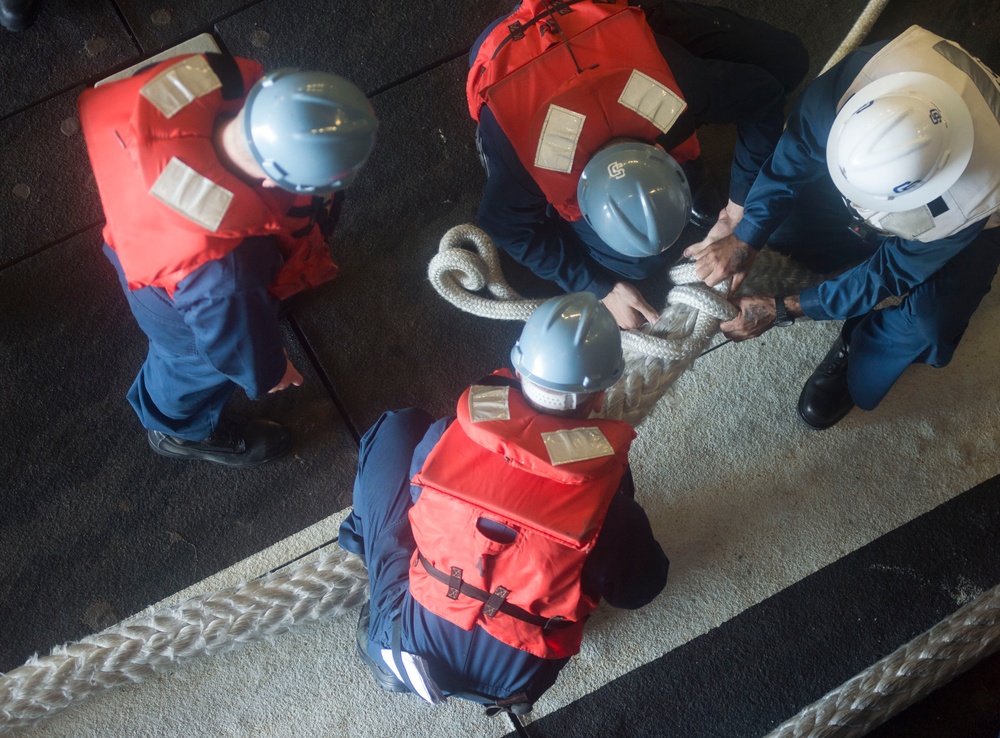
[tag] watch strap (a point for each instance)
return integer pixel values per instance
(781, 316)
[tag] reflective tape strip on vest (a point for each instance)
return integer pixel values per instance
(170, 204)
(558, 102)
(513, 507)
(976, 194)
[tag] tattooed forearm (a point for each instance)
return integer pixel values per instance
(756, 316)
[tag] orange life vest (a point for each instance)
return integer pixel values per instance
(132, 141)
(580, 61)
(523, 588)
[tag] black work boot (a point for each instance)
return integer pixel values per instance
(706, 202)
(16, 15)
(825, 398)
(240, 442)
(383, 677)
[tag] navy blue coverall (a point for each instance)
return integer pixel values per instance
(730, 70)
(795, 208)
(627, 567)
(219, 332)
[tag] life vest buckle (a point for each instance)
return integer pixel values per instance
(516, 30)
(495, 601)
(554, 622)
(455, 583)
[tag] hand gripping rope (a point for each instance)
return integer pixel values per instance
(653, 360)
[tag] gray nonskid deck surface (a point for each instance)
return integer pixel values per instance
(93, 526)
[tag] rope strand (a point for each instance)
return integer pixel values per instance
(201, 626)
(904, 676)
(654, 359)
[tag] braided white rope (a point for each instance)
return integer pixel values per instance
(653, 360)
(858, 31)
(174, 636)
(904, 676)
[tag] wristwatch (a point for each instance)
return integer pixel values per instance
(781, 316)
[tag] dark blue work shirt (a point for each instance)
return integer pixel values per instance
(711, 53)
(627, 567)
(898, 264)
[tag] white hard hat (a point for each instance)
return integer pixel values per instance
(900, 142)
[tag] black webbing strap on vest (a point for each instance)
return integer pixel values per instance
(516, 29)
(682, 129)
(228, 72)
(495, 602)
(320, 211)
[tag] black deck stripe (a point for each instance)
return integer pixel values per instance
(807, 639)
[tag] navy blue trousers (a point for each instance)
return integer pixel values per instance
(929, 323)
(378, 529)
(176, 390)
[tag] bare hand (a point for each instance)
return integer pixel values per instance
(729, 217)
(727, 257)
(292, 377)
(757, 314)
(628, 307)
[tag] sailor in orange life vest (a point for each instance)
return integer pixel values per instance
(220, 186)
(587, 114)
(519, 518)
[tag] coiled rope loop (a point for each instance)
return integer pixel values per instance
(654, 358)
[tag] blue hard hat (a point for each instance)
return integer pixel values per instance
(570, 344)
(635, 196)
(309, 131)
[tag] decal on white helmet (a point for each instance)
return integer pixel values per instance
(652, 100)
(557, 142)
(577, 444)
(488, 403)
(181, 84)
(192, 195)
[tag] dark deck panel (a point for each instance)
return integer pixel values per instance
(157, 25)
(47, 191)
(374, 45)
(70, 42)
(94, 525)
